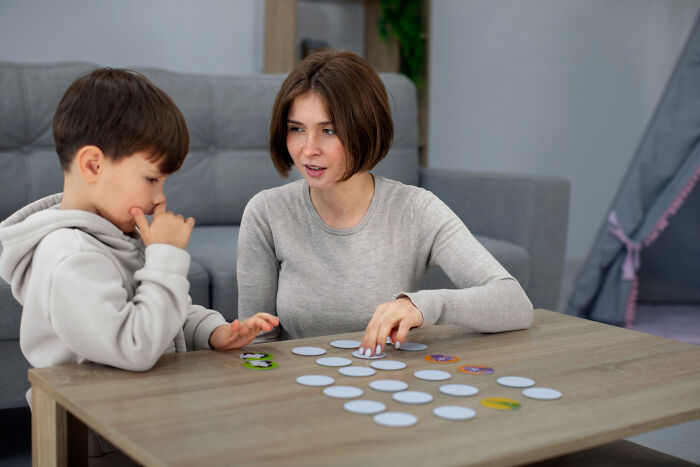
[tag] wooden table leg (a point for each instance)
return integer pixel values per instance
(58, 438)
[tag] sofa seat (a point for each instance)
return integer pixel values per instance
(214, 247)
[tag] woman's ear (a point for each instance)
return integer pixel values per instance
(90, 160)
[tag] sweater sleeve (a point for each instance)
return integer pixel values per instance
(257, 267)
(91, 313)
(199, 325)
(487, 298)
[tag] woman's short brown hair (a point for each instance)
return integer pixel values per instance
(356, 102)
(121, 112)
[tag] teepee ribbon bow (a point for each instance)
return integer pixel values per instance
(631, 263)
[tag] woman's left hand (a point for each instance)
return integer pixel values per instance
(392, 319)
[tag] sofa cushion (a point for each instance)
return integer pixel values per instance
(10, 313)
(14, 381)
(514, 258)
(214, 247)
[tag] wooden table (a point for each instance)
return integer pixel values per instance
(205, 408)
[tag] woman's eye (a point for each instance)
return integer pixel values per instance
(294, 129)
(329, 131)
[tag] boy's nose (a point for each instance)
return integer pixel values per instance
(160, 198)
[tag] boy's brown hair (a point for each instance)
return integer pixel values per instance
(121, 112)
(356, 102)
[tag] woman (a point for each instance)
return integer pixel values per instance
(344, 250)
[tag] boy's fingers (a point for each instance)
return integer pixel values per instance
(140, 219)
(159, 209)
(190, 221)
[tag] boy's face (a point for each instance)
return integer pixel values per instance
(133, 181)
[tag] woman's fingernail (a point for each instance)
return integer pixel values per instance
(379, 349)
(397, 345)
(361, 350)
(368, 352)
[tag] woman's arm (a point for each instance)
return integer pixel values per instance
(257, 268)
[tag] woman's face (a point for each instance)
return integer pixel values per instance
(313, 143)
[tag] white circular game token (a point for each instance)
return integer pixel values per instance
(308, 351)
(412, 397)
(373, 357)
(515, 381)
(388, 365)
(432, 375)
(315, 380)
(364, 406)
(343, 392)
(543, 394)
(459, 390)
(412, 346)
(345, 344)
(334, 361)
(388, 385)
(395, 419)
(454, 412)
(356, 371)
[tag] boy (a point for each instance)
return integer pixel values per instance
(98, 282)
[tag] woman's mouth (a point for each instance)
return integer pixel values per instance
(314, 170)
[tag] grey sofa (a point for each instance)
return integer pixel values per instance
(521, 219)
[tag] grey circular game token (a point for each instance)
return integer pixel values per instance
(515, 382)
(315, 380)
(334, 361)
(388, 385)
(412, 397)
(343, 392)
(345, 344)
(364, 406)
(373, 357)
(412, 346)
(459, 390)
(432, 375)
(543, 394)
(395, 419)
(454, 412)
(388, 365)
(356, 371)
(308, 351)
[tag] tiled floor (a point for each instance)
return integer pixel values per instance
(679, 322)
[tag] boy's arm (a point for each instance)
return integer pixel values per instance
(90, 311)
(199, 325)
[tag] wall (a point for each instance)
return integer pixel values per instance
(209, 36)
(562, 88)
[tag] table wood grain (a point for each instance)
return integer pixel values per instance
(205, 408)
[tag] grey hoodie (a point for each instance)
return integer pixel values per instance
(90, 292)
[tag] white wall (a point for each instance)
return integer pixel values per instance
(561, 88)
(208, 36)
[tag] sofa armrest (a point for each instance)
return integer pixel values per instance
(531, 211)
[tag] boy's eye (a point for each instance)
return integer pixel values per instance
(151, 179)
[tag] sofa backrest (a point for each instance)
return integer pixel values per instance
(228, 120)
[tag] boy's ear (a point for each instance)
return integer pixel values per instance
(90, 160)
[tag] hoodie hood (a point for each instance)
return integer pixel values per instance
(22, 232)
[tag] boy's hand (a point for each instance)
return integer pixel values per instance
(166, 227)
(240, 333)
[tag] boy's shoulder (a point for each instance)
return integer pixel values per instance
(64, 242)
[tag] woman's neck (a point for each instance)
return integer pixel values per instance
(345, 205)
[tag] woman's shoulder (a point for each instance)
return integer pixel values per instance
(396, 192)
(283, 197)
